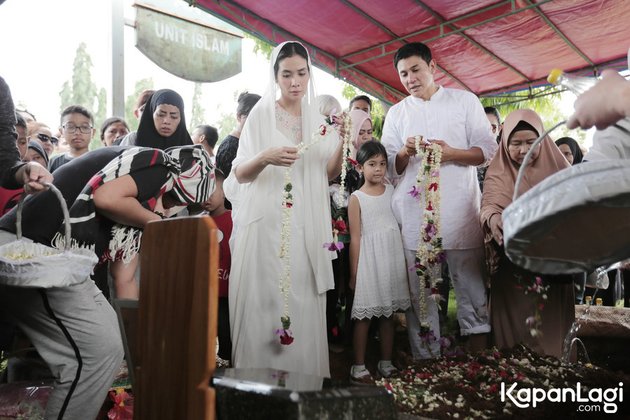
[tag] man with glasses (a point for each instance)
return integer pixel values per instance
(77, 127)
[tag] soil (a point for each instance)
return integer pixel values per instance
(469, 386)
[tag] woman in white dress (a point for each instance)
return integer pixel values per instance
(268, 146)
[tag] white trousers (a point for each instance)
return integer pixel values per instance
(466, 268)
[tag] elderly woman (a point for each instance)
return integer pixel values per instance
(516, 317)
(112, 129)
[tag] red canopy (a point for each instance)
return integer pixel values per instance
(484, 46)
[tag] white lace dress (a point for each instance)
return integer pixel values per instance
(381, 288)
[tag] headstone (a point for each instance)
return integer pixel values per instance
(177, 320)
(277, 394)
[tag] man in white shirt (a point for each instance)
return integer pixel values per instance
(456, 121)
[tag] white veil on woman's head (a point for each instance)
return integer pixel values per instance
(309, 101)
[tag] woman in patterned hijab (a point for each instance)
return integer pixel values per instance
(188, 179)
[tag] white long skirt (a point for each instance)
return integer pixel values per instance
(256, 304)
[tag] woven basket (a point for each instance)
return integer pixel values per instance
(24, 263)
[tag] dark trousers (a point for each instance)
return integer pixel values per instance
(223, 330)
(339, 324)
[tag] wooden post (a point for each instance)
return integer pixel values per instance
(177, 320)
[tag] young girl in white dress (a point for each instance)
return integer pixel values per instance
(378, 273)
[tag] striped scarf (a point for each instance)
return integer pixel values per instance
(193, 184)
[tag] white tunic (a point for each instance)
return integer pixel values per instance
(457, 117)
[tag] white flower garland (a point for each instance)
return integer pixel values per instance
(340, 197)
(285, 243)
(286, 337)
(429, 255)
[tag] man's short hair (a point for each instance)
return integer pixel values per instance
(493, 111)
(211, 133)
(411, 49)
(77, 109)
(361, 98)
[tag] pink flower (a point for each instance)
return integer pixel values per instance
(123, 405)
(444, 342)
(352, 161)
(286, 337)
(334, 246)
(340, 226)
(389, 388)
(414, 192)
(430, 230)
(427, 336)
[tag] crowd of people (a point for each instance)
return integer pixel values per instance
(315, 214)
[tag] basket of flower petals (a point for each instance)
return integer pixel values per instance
(502, 384)
(25, 263)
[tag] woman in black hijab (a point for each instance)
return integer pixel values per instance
(571, 150)
(163, 123)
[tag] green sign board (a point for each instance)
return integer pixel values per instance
(191, 51)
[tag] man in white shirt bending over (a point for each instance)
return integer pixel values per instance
(456, 121)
